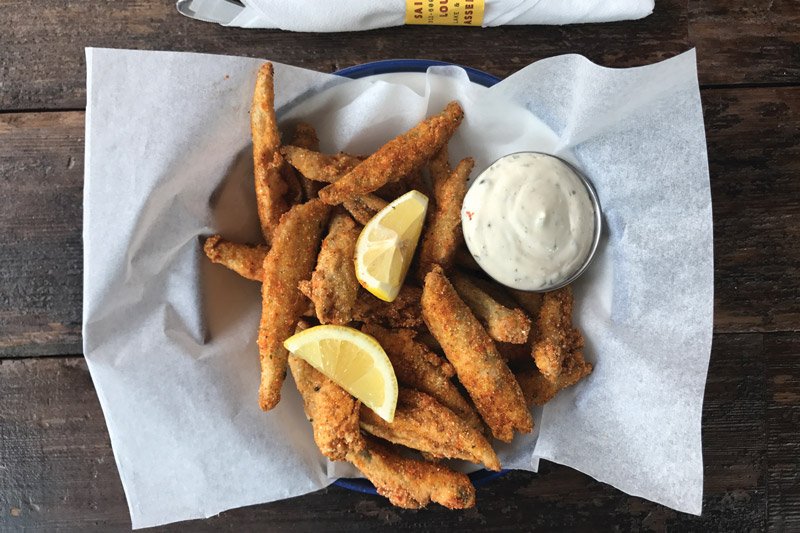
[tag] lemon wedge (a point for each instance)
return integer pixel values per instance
(387, 243)
(352, 359)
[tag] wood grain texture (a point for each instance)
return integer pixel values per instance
(58, 470)
(782, 354)
(41, 177)
(42, 60)
(754, 159)
(741, 41)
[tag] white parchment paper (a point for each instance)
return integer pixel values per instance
(170, 339)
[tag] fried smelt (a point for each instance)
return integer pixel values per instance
(421, 423)
(272, 190)
(333, 413)
(305, 136)
(334, 286)
(529, 301)
(403, 312)
(481, 370)
(556, 339)
(502, 323)
(320, 167)
(424, 337)
(443, 235)
(363, 208)
(538, 390)
(410, 483)
(535, 387)
(419, 368)
(440, 165)
(244, 259)
(289, 261)
(398, 158)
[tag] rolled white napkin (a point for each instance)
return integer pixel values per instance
(355, 15)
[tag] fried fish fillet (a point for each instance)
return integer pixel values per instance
(333, 413)
(320, 167)
(273, 193)
(363, 208)
(290, 260)
(418, 368)
(334, 286)
(305, 136)
(539, 390)
(244, 259)
(502, 323)
(410, 483)
(403, 312)
(531, 302)
(422, 423)
(556, 338)
(398, 158)
(443, 235)
(481, 370)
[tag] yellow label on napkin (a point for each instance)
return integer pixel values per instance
(445, 12)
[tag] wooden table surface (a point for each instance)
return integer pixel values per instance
(57, 471)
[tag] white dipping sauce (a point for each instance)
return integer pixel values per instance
(529, 221)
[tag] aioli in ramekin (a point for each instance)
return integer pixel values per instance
(530, 221)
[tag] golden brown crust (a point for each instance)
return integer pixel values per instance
(398, 158)
(538, 390)
(333, 413)
(556, 338)
(272, 190)
(418, 368)
(289, 261)
(421, 423)
(531, 302)
(363, 208)
(334, 286)
(319, 167)
(410, 483)
(244, 259)
(501, 323)
(481, 370)
(403, 312)
(443, 235)
(305, 136)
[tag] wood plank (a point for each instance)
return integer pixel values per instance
(57, 470)
(42, 60)
(41, 176)
(783, 431)
(754, 160)
(742, 41)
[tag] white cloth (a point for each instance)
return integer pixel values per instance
(356, 15)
